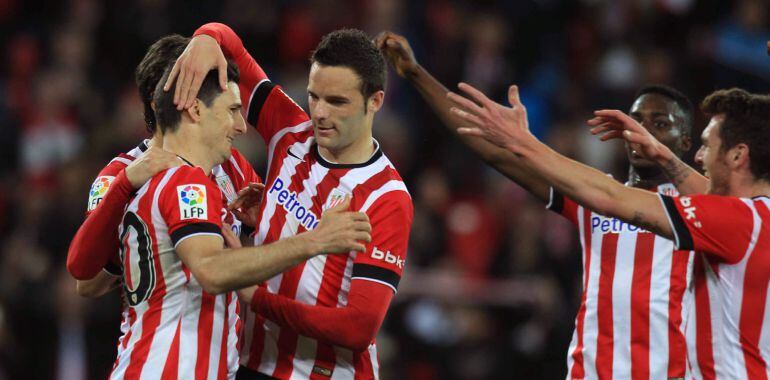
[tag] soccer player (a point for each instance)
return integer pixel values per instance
(172, 248)
(318, 319)
(728, 227)
(97, 237)
(630, 320)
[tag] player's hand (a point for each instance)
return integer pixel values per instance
(231, 241)
(614, 124)
(397, 51)
(201, 56)
(341, 231)
(152, 162)
(246, 206)
(506, 127)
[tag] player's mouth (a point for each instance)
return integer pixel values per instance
(325, 131)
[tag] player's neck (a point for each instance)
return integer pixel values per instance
(646, 178)
(181, 145)
(356, 153)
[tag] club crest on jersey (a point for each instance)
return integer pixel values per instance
(227, 187)
(98, 190)
(335, 197)
(192, 201)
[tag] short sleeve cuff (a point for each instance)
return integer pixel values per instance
(258, 98)
(682, 237)
(377, 274)
(189, 230)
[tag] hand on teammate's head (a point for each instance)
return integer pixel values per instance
(506, 127)
(201, 56)
(397, 52)
(152, 162)
(615, 124)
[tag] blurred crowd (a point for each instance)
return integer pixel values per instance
(492, 282)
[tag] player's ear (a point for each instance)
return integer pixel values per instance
(194, 112)
(375, 101)
(738, 156)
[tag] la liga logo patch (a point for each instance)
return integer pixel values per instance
(192, 201)
(98, 190)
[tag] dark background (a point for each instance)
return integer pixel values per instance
(492, 281)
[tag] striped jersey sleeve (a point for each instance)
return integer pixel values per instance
(717, 225)
(563, 206)
(191, 204)
(384, 259)
(270, 110)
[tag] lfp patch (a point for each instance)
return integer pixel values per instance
(192, 201)
(98, 190)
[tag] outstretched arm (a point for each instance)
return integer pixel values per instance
(614, 124)
(509, 129)
(400, 55)
(353, 326)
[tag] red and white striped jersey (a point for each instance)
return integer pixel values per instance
(300, 184)
(231, 176)
(730, 334)
(179, 330)
(635, 299)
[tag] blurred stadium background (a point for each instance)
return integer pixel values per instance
(492, 280)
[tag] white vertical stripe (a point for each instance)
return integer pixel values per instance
(622, 282)
(591, 324)
(718, 343)
(232, 336)
(217, 326)
(305, 125)
(188, 332)
(304, 357)
(660, 292)
(345, 368)
(237, 168)
(270, 348)
(136, 333)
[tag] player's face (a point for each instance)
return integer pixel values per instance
(337, 108)
(662, 117)
(712, 158)
(222, 122)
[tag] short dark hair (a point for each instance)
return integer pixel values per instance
(162, 53)
(167, 115)
(746, 122)
(680, 99)
(354, 49)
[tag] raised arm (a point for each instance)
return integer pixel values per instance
(400, 55)
(508, 128)
(211, 44)
(614, 124)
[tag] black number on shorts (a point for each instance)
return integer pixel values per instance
(141, 291)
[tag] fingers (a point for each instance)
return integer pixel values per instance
(172, 76)
(465, 104)
(611, 135)
(180, 83)
(474, 93)
(222, 70)
(473, 119)
(513, 96)
(475, 132)
(192, 91)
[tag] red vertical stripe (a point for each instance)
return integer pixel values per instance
(578, 369)
(755, 281)
(677, 345)
(171, 369)
(334, 270)
(151, 316)
(257, 342)
(604, 344)
(223, 354)
(703, 340)
(205, 330)
(363, 365)
(640, 306)
(287, 340)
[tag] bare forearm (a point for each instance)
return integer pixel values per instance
(243, 267)
(686, 179)
(434, 93)
(596, 191)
